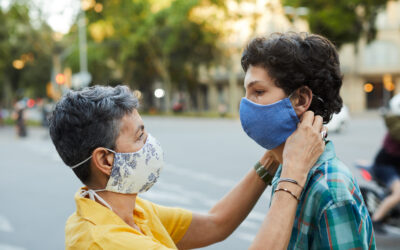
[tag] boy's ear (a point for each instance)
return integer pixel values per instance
(301, 100)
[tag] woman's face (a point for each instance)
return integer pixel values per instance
(260, 88)
(132, 134)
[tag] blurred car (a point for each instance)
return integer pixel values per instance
(394, 104)
(339, 121)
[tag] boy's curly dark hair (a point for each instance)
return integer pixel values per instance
(294, 60)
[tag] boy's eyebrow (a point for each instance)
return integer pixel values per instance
(252, 83)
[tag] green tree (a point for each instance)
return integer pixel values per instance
(142, 42)
(25, 54)
(342, 21)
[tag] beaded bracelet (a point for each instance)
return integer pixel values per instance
(287, 191)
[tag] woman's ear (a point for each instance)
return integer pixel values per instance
(301, 100)
(103, 160)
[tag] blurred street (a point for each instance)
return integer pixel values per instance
(205, 158)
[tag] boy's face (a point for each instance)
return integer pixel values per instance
(260, 88)
(132, 134)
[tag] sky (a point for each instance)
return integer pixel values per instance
(59, 14)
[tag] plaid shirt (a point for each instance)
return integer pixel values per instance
(331, 213)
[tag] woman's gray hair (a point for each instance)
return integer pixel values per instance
(85, 120)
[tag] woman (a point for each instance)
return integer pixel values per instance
(99, 133)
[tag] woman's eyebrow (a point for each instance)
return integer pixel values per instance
(139, 128)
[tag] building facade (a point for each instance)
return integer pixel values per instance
(222, 86)
(372, 70)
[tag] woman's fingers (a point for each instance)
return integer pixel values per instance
(317, 125)
(307, 119)
(304, 146)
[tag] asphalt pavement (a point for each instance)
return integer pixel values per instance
(205, 158)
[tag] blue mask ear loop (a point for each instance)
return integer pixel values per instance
(314, 95)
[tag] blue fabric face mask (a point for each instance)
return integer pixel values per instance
(268, 125)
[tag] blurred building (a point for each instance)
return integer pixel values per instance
(372, 70)
(221, 87)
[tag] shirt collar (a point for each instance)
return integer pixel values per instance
(329, 153)
(101, 215)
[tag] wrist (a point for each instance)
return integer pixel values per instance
(296, 190)
(289, 170)
(266, 173)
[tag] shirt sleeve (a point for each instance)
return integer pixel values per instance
(341, 226)
(175, 220)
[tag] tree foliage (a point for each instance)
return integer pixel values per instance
(142, 42)
(342, 21)
(26, 44)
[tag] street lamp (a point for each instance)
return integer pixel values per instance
(60, 78)
(18, 64)
(159, 93)
(98, 7)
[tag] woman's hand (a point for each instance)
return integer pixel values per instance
(303, 148)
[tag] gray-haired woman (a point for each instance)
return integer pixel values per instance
(99, 133)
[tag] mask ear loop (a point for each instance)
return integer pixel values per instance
(80, 163)
(319, 98)
(93, 195)
(314, 95)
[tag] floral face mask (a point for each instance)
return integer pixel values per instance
(135, 172)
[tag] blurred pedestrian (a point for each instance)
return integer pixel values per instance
(99, 133)
(386, 167)
(287, 74)
(19, 117)
(222, 109)
(1, 117)
(45, 108)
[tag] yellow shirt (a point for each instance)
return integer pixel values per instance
(94, 226)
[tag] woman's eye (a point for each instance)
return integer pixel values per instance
(141, 136)
(259, 92)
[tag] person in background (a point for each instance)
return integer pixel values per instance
(386, 167)
(99, 133)
(19, 117)
(1, 117)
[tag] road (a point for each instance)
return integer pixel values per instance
(205, 158)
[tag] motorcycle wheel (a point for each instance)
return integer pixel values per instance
(371, 198)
